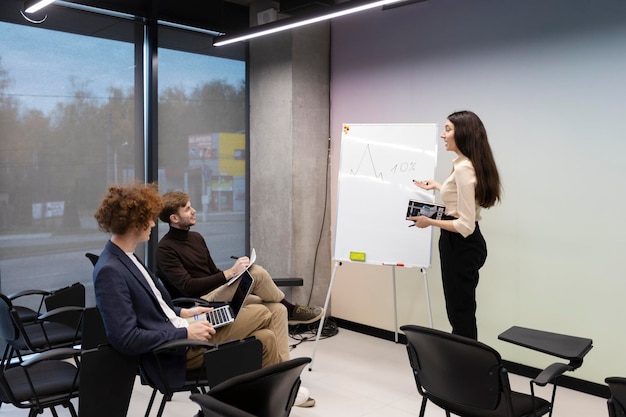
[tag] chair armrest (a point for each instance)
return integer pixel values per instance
(216, 407)
(58, 353)
(60, 310)
(24, 293)
(192, 301)
(288, 282)
(180, 343)
(551, 373)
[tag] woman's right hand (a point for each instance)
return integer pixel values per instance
(427, 184)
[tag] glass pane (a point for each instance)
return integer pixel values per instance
(67, 130)
(202, 145)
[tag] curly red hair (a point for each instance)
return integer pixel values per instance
(126, 206)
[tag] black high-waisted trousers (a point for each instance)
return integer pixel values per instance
(461, 258)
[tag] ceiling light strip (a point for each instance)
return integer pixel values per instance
(288, 23)
(35, 6)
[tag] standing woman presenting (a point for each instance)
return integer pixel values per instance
(473, 184)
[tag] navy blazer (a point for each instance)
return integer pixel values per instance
(134, 321)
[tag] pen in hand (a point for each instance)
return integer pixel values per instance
(234, 257)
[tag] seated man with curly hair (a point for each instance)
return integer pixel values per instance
(137, 310)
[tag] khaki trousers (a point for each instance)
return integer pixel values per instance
(252, 320)
(263, 291)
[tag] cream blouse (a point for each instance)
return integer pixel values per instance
(458, 193)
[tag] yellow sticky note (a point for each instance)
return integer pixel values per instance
(357, 256)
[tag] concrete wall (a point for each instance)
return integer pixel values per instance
(289, 148)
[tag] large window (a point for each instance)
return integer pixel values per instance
(202, 144)
(67, 130)
(71, 124)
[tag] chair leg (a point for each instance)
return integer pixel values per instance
(423, 407)
(70, 406)
(5, 355)
(162, 406)
(151, 402)
(553, 397)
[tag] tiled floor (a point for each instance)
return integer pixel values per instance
(354, 375)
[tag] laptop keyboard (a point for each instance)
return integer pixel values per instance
(219, 315)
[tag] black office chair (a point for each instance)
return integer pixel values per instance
(42, 382)
(267, 392)
(221, 362)
(39, 336)
(617, 401)
(466, 377)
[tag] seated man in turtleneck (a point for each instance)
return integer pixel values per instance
(185, 265)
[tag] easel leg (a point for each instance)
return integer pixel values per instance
(430, 312)
(321, 325)
(395, 306)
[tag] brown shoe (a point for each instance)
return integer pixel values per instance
(305, 315)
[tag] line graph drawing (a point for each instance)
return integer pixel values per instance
(368, 169)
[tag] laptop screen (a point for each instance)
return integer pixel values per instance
(245, 283)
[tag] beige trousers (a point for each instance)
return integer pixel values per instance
(266, 292)
(252, 320)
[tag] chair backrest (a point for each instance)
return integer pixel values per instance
(106, 376)
(92, 257)
(72, 295)
(93, 332)
(617, 401)
(8, 331)
(454, 370)
(106, 382)
(267, 392)
(232, 358)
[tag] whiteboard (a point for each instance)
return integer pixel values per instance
(378, 163)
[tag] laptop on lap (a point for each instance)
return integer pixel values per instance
(226, 314)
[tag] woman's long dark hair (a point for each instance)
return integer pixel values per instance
(470, 137)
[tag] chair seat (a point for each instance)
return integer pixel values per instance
(27, 315)
(48, 334)
(48, 378)
(522, 407)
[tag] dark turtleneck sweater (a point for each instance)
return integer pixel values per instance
(185, 266)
